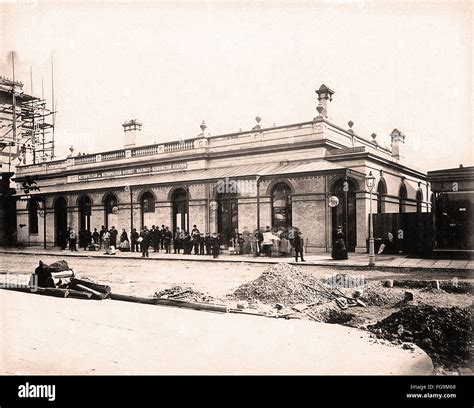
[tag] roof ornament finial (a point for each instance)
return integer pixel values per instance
(258, 119)
(374, 139)
(320, 109)
(350, 124)
(203, 129)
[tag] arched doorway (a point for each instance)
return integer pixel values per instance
(381, 192)
(60, 222)
(402, 196)
(179, 199)
(85, 206)
(147, 209)
(281, 206)
(110, 211)
(345, 214)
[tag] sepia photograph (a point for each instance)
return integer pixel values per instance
(270, 194)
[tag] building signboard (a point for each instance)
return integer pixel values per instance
(127, 172)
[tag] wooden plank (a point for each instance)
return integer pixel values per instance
(170, 302)
(82, 288)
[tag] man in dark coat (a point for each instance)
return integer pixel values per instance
(215, 246)
(145, 244)
(134, 240)
(96, 236)
(153, 237)
(113, 237)
(158, 239)
(163, 230)
(207, 243)
(187, 243)
(167, 236)
(196, 242)
(298, 244)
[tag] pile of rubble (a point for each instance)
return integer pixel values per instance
(281, 283)
(188, 294)
(444, 333)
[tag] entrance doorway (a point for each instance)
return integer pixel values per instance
(111, 210)
(227, 215)
(344, 214)
(60, 222)
(85, 204)
(180, 209)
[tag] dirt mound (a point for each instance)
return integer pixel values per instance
(444, 333)
(281, 283)
(375, 294)
(181, 293)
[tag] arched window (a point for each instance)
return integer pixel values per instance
(402, 194)
(281, 206)
(179, 199)
(147, 202)
(85, 206)
(110, 208)
(33, 216)
(381, 191)
(147, 207)
(419, 200)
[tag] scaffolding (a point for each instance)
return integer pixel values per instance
(26, 122)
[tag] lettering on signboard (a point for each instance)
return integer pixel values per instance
(127, 172)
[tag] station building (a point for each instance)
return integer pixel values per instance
(280, 176)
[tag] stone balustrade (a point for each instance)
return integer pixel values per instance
(179, 146)
(147, 150)
(301, 132)
(117, 155)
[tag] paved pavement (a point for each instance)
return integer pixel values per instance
(46, 335)
(355, 261)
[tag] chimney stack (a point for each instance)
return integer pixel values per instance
(324, 94)
(131, 128)
(397, 137)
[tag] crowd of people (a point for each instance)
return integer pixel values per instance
(265, 242)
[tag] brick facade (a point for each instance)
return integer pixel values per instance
(310, 158)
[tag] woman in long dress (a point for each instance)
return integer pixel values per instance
(339, 250)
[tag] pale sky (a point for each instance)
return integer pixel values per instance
(171, 65)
